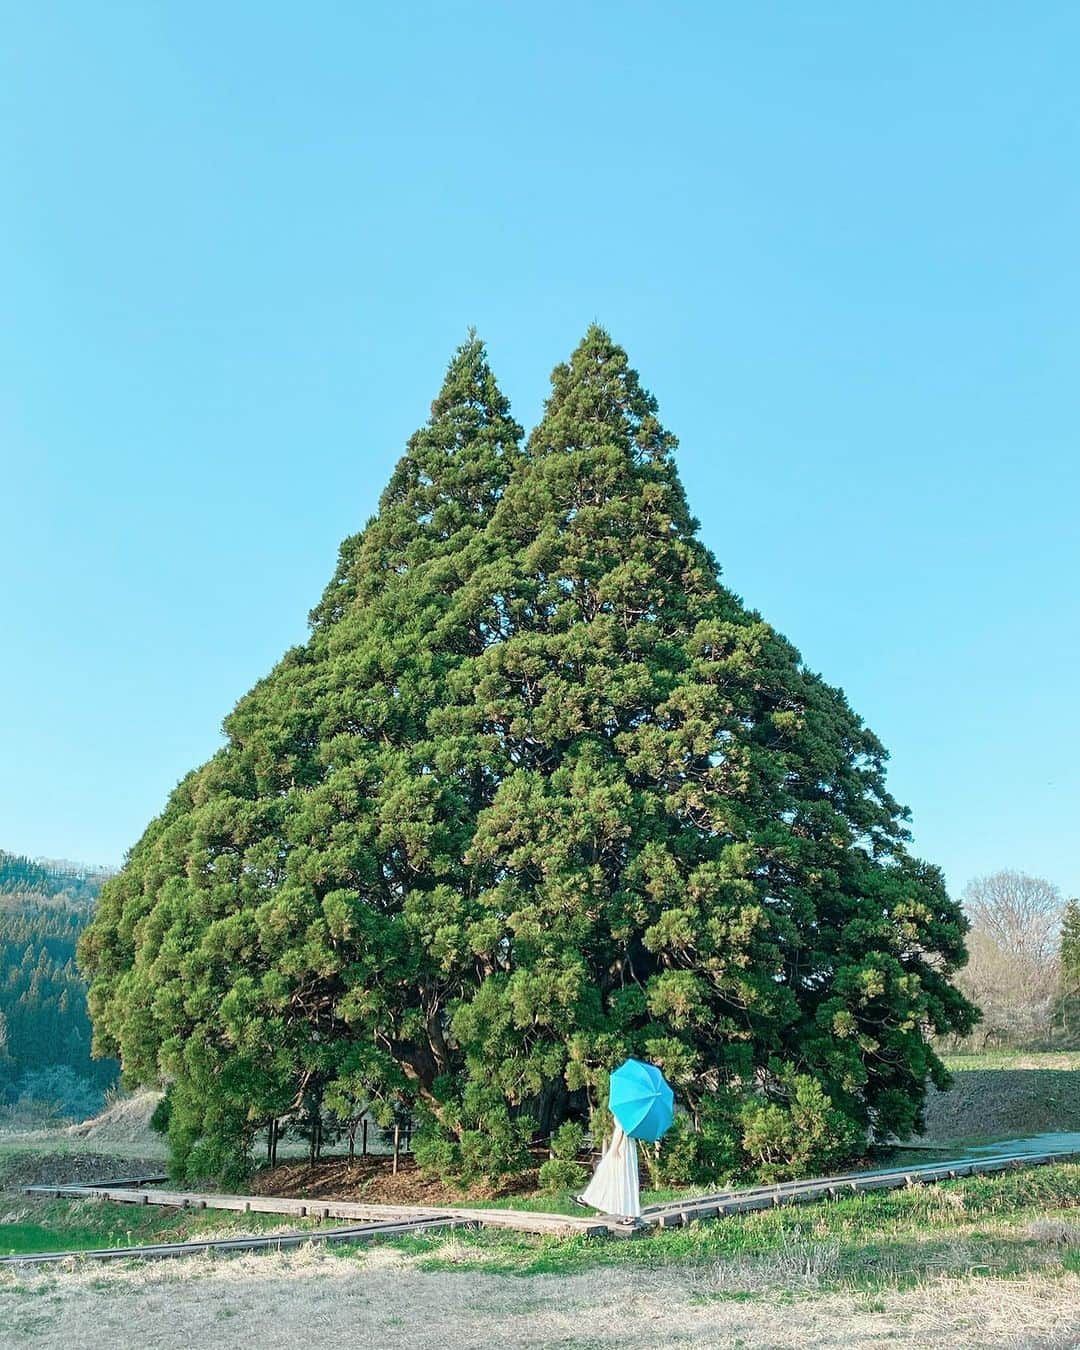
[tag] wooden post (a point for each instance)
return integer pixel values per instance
(364, 1138)
(397, 1146)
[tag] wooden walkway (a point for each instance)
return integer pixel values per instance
(718, 1204)
(374, 1222)
(159, 1251)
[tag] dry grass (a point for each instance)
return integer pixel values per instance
(980, 1262)
(1013, 1059)
(1003, 1103)
(125, 1121)
(986, 1262)
(380, 1299)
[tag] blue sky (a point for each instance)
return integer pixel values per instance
(238, 243)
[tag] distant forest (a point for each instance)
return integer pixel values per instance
(46, 1072)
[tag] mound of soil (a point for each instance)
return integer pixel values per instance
(33, 1168)
(1003, 1103)
(126, 1121)
(372, 1179)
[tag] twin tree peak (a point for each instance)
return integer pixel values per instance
(538, 794)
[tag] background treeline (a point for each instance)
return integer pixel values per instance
(1023, 966)
(46, 1072)
(49, 882)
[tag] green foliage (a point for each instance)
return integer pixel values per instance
(562, 1171)
(703, 1148)
(800, 1133)
(562, 1174)
(568, 1140)
(161, 1115)
(268, 936)
(45, 1034)
(538, 793)
(1069, 975)
(474, 1138)
(209, 1136)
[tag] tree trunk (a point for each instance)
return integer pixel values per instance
(552, 1105)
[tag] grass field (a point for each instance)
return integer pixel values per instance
(861, 1241)
(1004, 1098)
(982, 1261)
(31, 1225)
(1014, 1059)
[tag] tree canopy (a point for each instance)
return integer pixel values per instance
(1070, 946)
(1070, 968)
(538, 793)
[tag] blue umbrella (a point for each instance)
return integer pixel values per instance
(641, 1100)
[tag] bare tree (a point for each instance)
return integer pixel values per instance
(1012, 971)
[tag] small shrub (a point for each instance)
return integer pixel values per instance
(435, 1152)
(799, 1134)
(701, 1148)
(159, 1120)
(227, 1162)
(474, 1139)
(568, 1140)
(562, 1174)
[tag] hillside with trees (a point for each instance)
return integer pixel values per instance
(538, 793)
(46, 1068)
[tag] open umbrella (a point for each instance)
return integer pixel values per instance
(643, 1105)
(641, 1100)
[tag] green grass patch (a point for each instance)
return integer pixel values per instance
(82, 1225)
(1013, 1059)
(881, 1238)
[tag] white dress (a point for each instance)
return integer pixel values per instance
(614, 1187)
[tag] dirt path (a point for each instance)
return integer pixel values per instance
(383, 1300)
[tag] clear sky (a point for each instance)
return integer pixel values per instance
(238, 243)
